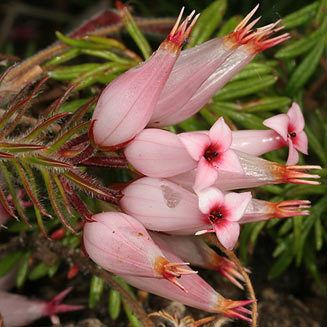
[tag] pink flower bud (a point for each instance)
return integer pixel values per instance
(199, 294)
(257, 172)
(259, 210)
(212, 152)
(126, 105)
(226, 56)
(120, 244)
(18, 310)
(195, 251)
(158, 153)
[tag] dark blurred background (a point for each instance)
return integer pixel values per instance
(27, 26)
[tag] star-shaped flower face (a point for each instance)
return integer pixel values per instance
(223, 212)
(290, 127)
(212, 151)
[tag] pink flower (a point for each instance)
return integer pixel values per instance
(18, 310)
(290, 127)
(203, 70)
(126, 105)
(158, 153)
(195, 251)
(224, 213)
(120, 244)
(259, 210)
(212, 152)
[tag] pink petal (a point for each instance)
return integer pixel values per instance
(296, 117)
(279, 123)
(221, 134)
(236, 204)
(227, 233)
(210, 198)
(206, 175)
(293, 156)
(195, 143)
(229, 161)
(301, 142)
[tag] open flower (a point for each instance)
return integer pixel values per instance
(224, 213)
(212, 152)
(290, 127)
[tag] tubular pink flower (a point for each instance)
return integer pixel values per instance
(158, 153)
(224, 213)
(195, 251)
(212, 152)
(257, 172)
(290, 127)
(228, 56)
(120, 244)
(199, 294)
(259, 210)
(18, 310)
(126, 105)
(161, 205)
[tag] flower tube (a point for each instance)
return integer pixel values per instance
(18, 310)
(126, 105)
(243, 44)
(257, 172)
(120, 244)
(287, 130)
(158, 153)
(259, 210)
(198, 253)
(199, 294)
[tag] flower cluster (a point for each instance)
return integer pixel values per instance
(188, 178)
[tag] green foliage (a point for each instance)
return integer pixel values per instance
(264, 88)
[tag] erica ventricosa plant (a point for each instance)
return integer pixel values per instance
(111, 180)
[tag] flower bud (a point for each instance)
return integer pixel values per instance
(120, 244)
(199, 294)
(126, 105)
(191, 73)
(18, 310)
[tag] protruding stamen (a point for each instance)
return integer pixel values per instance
(246, 19)
(181, 31)
(204, 231)
(235, 309)
(292, 208)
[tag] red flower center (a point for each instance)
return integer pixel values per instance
(211, 154)
(292, 134)
(215, 215)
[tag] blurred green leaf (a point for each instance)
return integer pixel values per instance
(281, 264)
(208, 22)
(301, 16)
(22, 272)
(114, 304)
(8, 262)
(39, 271)
(306, 68)
(229, 25)
(96, 291)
